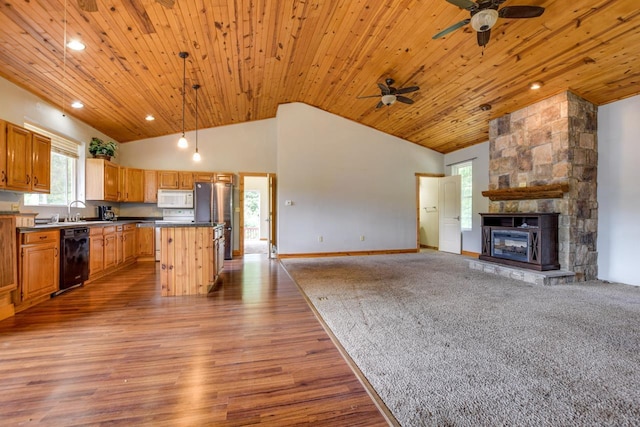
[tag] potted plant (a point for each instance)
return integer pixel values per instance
(102, 150)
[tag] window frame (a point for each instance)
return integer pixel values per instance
(466, 193)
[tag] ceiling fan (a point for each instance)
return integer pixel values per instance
(484, 15)
(91, 5)
(389, 94)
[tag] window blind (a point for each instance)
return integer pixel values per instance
(60, 145)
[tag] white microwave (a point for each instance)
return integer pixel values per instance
(175, 199)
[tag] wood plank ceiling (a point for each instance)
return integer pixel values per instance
(251, 55)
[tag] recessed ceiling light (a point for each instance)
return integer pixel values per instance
(485, 107)
(77, 104)
(149, 118)
(535, 85)
(76, 45)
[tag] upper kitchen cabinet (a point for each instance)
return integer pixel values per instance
(175, 180)
(227, 178)
(101, 180)
(150, 186)
(3, 154)
(131, 185)
(25, 160)
(204, 176)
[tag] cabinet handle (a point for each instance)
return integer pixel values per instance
(28, 179)
(4, 177)
(35, 180)
(56, 252)
(42, 237)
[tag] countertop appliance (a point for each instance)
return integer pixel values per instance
(214, 204)
(105, 213)
(172, 216)
(74, 259)
(175, 199)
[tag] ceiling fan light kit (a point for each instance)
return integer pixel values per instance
(389, 94)
(484, 20)
(388, 99)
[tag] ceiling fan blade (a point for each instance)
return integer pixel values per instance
(380, 104)
(385, 90)
(88, 5)
(451, 29)
(368, 96)
(167, 3)
(407, 90)
(520, 12)
(404, 99)
(463, 4)
(483, 37)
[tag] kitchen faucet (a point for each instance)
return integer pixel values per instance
(69, 210)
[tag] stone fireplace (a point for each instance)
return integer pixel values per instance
(551, 142)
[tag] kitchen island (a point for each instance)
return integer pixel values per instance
(191, 257)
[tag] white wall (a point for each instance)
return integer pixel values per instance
(471, 240)
(345, 180)
(618, 191)
(244, 147)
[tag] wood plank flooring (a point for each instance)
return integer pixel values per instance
(115, 352)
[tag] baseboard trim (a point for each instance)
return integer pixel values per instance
(349, 253)
(470, 254)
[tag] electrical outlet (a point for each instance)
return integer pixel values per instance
(288, 202)
(15, 207)
(362, 238)
(320, 239)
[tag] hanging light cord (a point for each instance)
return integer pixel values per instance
(64, 58)
(196, 88)
(184, 87)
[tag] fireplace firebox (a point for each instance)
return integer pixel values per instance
(528, 240)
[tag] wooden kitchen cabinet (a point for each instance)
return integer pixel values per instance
(175, 180)
(131, 185)
(129, 243)
(150, 186)
(8, 282)
(96, 252)
(110, 255)
(227, 178)
(41, 165)
(146, 242)
(39, 267)
(203, 177)
(119, 245)
(3, 154)
(101, 180)
(28, 160)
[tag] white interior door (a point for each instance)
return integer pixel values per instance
(450, 226)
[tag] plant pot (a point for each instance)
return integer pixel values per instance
(102, 156)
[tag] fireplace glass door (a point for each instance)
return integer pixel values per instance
(510, 244)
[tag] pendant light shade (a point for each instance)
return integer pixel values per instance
(182, 142)
(196, 155)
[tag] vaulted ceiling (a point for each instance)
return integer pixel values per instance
(251, 55)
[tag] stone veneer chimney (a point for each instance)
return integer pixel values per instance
(553, 141)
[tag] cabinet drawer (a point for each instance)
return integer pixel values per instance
(95, 231)
(40, 237)
(109, 229)
(119, 228)
(129, 226)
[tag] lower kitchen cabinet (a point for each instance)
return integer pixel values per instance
(96, 252)
(146, 243)
(126, 243)
(7, 264)
(39, 266)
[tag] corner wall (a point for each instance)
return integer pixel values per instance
(345, 180)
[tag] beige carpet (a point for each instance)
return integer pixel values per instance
(446, 345)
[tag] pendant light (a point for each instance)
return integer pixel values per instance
(196, 155)
(182, 142)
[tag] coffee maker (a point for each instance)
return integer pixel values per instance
(105, 213)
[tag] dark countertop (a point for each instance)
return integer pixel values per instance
(85, 223)
(180, 224)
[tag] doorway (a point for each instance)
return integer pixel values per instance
(257, 215)
(428, 211)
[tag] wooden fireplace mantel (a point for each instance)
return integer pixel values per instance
(551, 191)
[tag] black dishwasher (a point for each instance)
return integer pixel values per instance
(74, 260)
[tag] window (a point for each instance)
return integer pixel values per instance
(64, 172)
(466, 192)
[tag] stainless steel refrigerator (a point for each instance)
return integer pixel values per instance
(214, 204)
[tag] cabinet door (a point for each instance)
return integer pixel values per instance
(3, 154)
(203, 176)
(41, 166)
(122, 184)
(7, 253)
(146, 242)
(119, 245)
(134, 185)
(150, 187)
(227, 178)
(111, 179)
(129, 245)
(40, 267)
(110, 250)
(18, 158)
(168, 180)
(186, 180)
(96, 254)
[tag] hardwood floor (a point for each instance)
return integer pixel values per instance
(116, 352)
